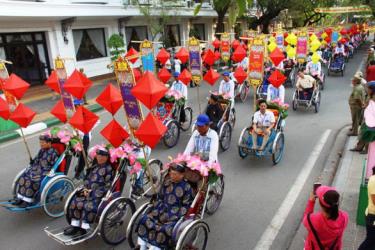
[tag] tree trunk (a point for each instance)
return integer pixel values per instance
(220, 23)
(265, 20)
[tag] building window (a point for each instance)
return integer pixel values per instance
(198, 31)
(135, 33)
(172, 36)
(89, 44)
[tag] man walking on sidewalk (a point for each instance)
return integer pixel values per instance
(356, 102)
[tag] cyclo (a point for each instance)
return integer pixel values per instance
(275, 144)
(171, 111)
(203, 193)
(307, 97)
(50, 190)
(113, 210)
(225, 118)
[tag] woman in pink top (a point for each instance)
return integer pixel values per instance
(326, 227)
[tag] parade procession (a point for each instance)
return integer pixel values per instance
(213, 132)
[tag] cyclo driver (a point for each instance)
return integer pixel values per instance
(204, 141)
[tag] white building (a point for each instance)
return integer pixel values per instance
(33, 33)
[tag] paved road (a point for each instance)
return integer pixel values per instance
(254, 191)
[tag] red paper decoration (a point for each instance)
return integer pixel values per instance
(276, 56)
(150, 131)
(235, 44)
(110, 99)
(343, 40)
(276, 78)
(239, 54)
(149, 90)
(164, 75)
(4, 109)
(132, 54)
(240, 74)
(114, 133)
(53, 82)
(163, 56)
(211, 77)
(83, 120)
(183, 55)
(209, 57)
(77, 84)
(137, 74)
(16, 86)
(216, 43)
(343, 31)
(217, 55)
(22, 115)
(59, 111)
(185, 77)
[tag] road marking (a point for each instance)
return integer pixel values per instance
(279, 218)
(7, 144)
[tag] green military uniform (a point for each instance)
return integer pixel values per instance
(356, 99)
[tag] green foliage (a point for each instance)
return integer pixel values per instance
(116, 45)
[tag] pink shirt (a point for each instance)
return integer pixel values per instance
(327, 230)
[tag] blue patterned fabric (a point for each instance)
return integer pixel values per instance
(29, 182)
(98, 180)
(174, 200)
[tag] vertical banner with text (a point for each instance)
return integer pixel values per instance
(147, 56)
(195, 61)
(302, 47)
(225, 47)
(256, 59)
(126, 81)
(10, 99)
(65, 96)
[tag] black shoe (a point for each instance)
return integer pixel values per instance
(71, 231)
(355, 150)
(17, 202)
(81, 232)
(24, 204)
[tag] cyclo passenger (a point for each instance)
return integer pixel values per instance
(30, 181)
(204, 141)
(177, 85)
(262, 123)
(214, 111)
(173, 201)
(305, 85)
(227, 88)
(84, 205)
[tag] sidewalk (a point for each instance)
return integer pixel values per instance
(40, 99)
(347, 181)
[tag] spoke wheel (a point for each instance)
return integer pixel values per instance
(278, 149)
(172, 135)
(154, 168)
(195, 238)
(54, 196)
(115, 220)
(188, 119)
(225, 136)
(317, 103)
(215, 195)
(132, 235)
(243, 91)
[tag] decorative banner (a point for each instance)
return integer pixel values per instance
(280, 40)
(302, 47)
(65, 96)
(126, 82)
(11, 100)
(347, 9)
(147, 56)
(335, 37)
(225, 47)
(256, 59)
(195, 61)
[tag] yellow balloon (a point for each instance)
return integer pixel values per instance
(313, 37)
(315, 57)
(324, 35)
(314, 45)
(291, 52)
(291, 39)
(272, 46)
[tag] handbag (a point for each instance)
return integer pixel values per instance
(321, 247)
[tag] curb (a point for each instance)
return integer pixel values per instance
(327, 177)
(50, 122)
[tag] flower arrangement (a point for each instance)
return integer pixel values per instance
(66, 137)
(175, 97)
(125, 151)
(210, 169)
(280, 106)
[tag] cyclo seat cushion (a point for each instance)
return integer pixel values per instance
(60, 148)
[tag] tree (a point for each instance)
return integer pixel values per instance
(304, 14)
(116, 45)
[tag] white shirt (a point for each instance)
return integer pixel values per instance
(206, 146)
(340, 50)
(264, 120)
(227, 88)
(275, 93)
(180, 87)
(314, 68)
(177, 65)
